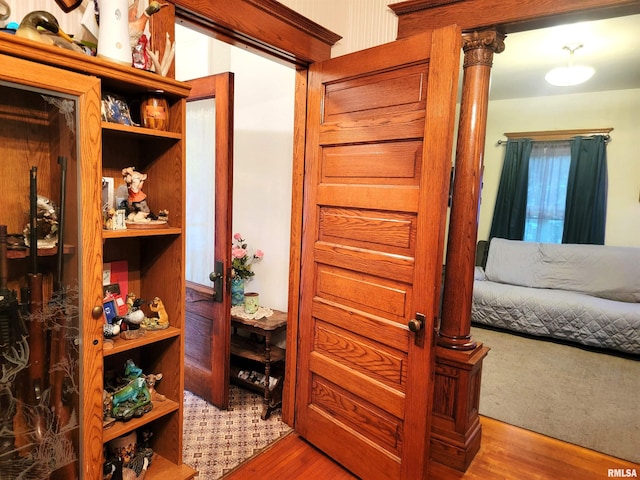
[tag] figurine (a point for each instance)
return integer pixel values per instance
(128, 458)
(137, 200)
(130, 394)
(135, 316)
(5, 9)
(132, 400)
(109, 219)
(52, 35)
(152, 379)
(161, 321)
(137, 23)
(46, 224)
(131, 370)
(107, 409)
(111, 330)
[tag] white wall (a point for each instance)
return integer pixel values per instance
(361, 23)
(263, 153)
(617, 109)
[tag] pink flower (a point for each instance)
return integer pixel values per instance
(237, 252)
(241, 260)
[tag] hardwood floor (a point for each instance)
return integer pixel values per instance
(507, 453)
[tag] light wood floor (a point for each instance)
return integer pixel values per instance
(506, 453)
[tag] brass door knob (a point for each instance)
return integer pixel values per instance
(96, 312)
(416, 324)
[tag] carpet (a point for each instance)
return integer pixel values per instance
(216, 441)
(576, 395)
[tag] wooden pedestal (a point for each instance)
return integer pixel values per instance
(455, 429)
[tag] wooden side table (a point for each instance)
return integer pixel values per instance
(259, 353)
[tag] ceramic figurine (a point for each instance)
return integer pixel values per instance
(137, 23)
(107, 410)
(152, 379)
(52, 35)
(127, 457)
(137, 200)
(161, 320)
(132, 400)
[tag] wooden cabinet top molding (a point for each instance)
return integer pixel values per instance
(110, 72)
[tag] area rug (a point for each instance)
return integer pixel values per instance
(576, 395)
(216, 441)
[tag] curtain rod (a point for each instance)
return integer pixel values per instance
(607, 139)
(551, 135)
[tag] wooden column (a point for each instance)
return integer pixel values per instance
(456, 429)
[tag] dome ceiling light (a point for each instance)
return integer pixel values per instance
(571, 74)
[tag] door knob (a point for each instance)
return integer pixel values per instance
(217, 277)
(417, 324)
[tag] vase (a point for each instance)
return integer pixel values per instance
(237, 291)
(113, 35)
(154, 112)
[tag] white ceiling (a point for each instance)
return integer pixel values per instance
(610, 46)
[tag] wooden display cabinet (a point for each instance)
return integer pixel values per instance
(155, 257)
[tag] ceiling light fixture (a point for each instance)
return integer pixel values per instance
(571, 74)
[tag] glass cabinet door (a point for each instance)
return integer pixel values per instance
(50, 338)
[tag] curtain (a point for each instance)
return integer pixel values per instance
(585, 214)
(511, 202)
(547, 191)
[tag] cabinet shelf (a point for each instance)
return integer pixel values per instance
(135, 232)
(120, 345)
(42, 252)
(161, 469)
(137, 131)
(245, 348)
(159, 410)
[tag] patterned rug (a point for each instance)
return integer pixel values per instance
(216, 441)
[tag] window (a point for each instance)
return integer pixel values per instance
(553, 190)
(547, 191)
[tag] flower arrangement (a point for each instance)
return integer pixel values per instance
(241, 260)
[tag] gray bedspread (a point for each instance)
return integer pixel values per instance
(559, 314)
(588, 294)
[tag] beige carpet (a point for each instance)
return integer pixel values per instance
(216, 441)
(578, 396)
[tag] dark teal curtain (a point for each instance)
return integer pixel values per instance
(586, 209)
(511, 202)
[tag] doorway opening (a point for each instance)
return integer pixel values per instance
(261, 198)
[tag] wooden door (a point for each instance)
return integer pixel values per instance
(378, 161)
(208, 316)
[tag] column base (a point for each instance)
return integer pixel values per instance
(457, 343)
(455, 428)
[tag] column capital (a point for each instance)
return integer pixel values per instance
(479, 47)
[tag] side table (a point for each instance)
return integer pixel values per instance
(259, 353)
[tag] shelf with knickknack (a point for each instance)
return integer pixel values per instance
(96, 148)
(152, 254)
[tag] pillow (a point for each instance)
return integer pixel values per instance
(478, 274)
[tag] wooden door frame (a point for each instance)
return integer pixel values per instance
(292, 38)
